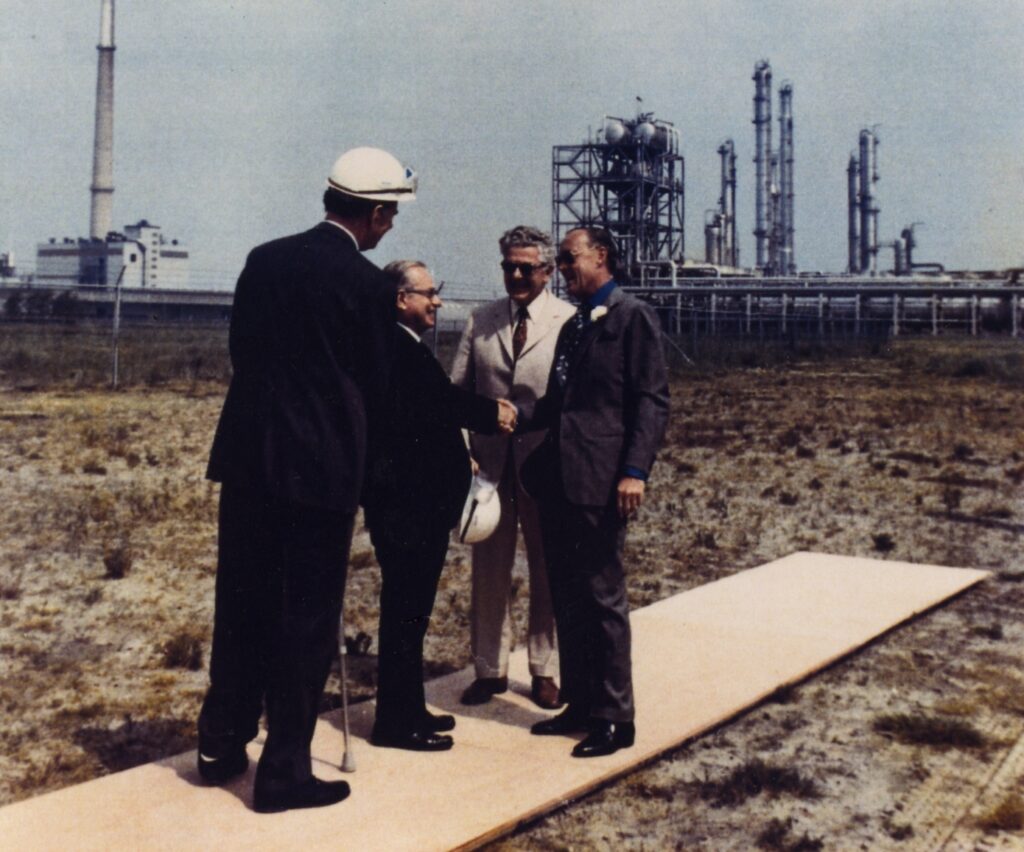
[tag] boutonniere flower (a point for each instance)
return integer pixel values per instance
(598, 312)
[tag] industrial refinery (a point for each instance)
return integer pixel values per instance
(630, 178)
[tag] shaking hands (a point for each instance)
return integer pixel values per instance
(507, 414)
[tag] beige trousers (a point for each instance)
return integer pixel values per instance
(491, 602)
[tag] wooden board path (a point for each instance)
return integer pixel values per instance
(699, 658)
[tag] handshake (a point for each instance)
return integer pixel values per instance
(507, 416)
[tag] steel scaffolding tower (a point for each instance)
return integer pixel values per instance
(629, 180)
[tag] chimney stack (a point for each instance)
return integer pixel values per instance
(101, 210)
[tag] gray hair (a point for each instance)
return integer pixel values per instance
(524, 236)
(397, 271)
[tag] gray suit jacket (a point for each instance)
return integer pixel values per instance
(613, 411)
(484, 364)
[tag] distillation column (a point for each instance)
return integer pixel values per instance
(786, 264)
(762, 158)
(101, 209)
(731, 253)
(853, 212)
(868, 209)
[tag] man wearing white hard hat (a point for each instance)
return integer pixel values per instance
(418, 478)
(506, 350)
(311, 345)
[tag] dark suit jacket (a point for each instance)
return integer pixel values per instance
(419, 472)
(311, 340)
(613, 411)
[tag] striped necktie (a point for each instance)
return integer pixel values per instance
(519, 332)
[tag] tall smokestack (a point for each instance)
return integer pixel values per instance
(101, 210)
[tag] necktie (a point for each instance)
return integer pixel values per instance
(569, 341)
(519, 332)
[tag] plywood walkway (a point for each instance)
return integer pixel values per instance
(699, 658)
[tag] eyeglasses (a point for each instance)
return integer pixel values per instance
(567, 258)
(432, 293)
(525, 269)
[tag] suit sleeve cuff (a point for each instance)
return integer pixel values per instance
(635, 472)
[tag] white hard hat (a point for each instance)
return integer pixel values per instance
(372, 174)
(481, 513)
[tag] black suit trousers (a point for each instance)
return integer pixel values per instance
(583, 552)
(280, 583)
(410, 572)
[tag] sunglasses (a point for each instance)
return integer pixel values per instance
(525, 269)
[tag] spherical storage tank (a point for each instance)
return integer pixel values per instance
(615, 132)
(645, 133)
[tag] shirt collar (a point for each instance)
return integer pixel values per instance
(412, 333)
(531, 308)
(341, 227)
(600, 296)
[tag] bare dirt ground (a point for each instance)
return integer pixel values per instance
(109, 548)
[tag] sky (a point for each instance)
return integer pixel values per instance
(228, 116)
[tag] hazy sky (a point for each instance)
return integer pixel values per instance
(228, 116)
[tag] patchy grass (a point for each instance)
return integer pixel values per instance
(1008, 815)
(934, 731)
(753, 778)
(184, 650)
(777, 836)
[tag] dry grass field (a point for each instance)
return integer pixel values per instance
(916, 454)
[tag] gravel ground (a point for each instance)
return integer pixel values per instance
(106, 584)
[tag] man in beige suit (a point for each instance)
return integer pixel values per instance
(506, 352)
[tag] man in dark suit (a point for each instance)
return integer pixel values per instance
(419, 477)
(607, 408)
(311, 341)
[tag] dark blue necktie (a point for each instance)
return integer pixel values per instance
(569, 342)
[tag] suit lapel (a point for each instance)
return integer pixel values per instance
(542, 321)
(503, 327)
(594, 328)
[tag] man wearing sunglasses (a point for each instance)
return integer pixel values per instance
(606, 408)
(506, 351)
(418, 479)
(312, 341)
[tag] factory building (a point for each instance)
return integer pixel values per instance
(139, 257)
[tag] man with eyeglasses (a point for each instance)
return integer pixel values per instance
(418, 479)
(606, 408)
(506, 350)
(311, 340)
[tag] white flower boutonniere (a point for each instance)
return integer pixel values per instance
(598, 312)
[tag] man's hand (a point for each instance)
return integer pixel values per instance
(630, 495)
(507, 414)
(473, 464)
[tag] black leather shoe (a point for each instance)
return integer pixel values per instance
(605, 738)
(481, 690)
(412, 740)
(313, 793)
(544, 692)
(569, 721)
(438, 722)
(220, 770)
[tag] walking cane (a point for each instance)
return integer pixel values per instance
(348, 762)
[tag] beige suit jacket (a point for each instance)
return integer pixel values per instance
(484, 365)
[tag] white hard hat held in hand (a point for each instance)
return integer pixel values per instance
(481, 513)
(372, 174)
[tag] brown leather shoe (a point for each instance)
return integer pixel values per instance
(545, 693)
(481, 689)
